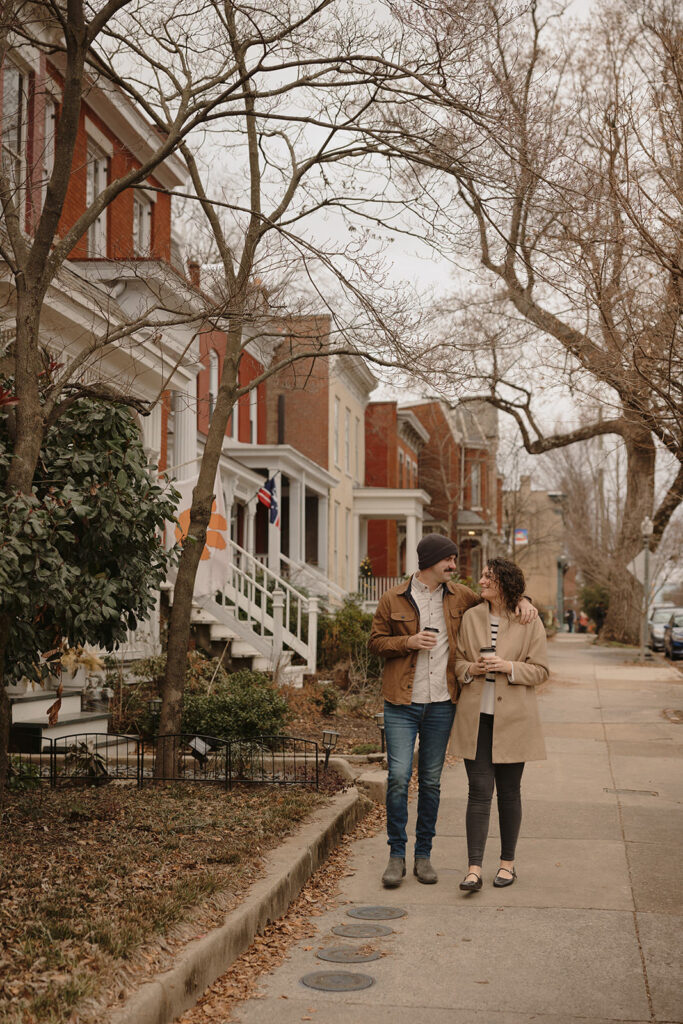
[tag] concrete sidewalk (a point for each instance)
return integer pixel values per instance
(590, 932)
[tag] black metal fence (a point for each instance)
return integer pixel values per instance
(89, 759)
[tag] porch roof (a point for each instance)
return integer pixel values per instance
(283, 458)
(389, 502)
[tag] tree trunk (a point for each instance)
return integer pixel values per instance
(200, 513)
(623, 619)
(5, 712)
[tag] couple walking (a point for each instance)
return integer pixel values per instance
(443, 645)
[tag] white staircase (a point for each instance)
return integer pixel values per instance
(301, 574)
(261, 617)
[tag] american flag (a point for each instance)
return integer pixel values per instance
(267, 497)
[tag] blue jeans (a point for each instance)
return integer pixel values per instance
(402, 724)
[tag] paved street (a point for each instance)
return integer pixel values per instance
(591, 931)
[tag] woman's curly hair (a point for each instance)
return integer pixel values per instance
(510, 580)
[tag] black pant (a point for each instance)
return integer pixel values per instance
(481, 774)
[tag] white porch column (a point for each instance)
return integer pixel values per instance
(185, 453)
(352, 584)
(274, 536)
(295, 524)
(250, 533)
(363, 540)
(411, 543)
(151, 434)
(323, 525)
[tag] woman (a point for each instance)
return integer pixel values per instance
(497, 727)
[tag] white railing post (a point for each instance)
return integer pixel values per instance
(278, 607)
(312, 634)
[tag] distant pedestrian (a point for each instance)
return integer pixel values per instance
(583, 622)
(570, 620)
(497, 728)
(414, 629)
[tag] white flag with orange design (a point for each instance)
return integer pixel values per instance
(213, 565)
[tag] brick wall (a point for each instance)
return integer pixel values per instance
(381, 445)
(297, 402)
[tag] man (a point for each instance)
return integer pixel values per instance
(414, 629)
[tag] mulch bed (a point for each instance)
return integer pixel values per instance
(99, 887)
(352, 719)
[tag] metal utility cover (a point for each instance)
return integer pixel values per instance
(362, 931)
(347, 955)
(376, 913)
(337, 981)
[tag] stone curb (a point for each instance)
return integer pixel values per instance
(203, 960)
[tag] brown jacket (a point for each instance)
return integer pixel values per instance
(516, 724)
(397, 618)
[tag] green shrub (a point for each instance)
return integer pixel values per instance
(22, 775)
(247, 705)
(343, 639)
(327, 699)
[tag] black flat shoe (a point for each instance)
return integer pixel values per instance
(474, 886)
(499, 882)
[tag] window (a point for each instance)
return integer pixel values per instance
(400, 468)
(14, 104)
(50, 136)
(96, 182)
(347, 440)
(335, 541)
(142, 226)
(357, 453)
(475, 485)
(347, 554)
(336, 432)
(213, 381)
(253, 415)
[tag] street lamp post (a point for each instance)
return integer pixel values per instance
(646, 529)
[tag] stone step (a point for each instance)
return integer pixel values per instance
(243, 649)
(219, 632)
(33, 707)
(29, 737)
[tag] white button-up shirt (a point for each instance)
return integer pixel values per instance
(429, 684)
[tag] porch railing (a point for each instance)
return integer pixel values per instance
(371, 588)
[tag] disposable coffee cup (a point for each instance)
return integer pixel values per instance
(487, 652)
(430, 629)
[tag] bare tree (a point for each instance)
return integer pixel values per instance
(572, 204)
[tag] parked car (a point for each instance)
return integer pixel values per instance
(659, 616)
(673, 635)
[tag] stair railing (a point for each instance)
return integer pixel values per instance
(271, 605)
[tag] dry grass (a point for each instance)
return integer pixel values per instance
(99, 886)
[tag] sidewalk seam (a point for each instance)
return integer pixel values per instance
(288, 868)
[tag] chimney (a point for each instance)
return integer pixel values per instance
(194, 272)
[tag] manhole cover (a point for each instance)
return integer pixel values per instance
(362, 931)
(337, 981)
(346, 955)
(377, 913)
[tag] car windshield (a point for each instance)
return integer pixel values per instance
(678, 620)
(661, 615)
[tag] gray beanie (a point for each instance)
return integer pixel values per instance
(432, 548)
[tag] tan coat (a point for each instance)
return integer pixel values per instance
(397, 619)
(516, 725)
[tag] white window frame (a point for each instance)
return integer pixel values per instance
(97, 173)
(14, 132)
(213, 380)
(347, 554)
(347, 441)
(142, 225)
(475, 485)
(400, 467)
(337, 405)
(335, 540)
(253, 415)
(50, 140)
(357, 452)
